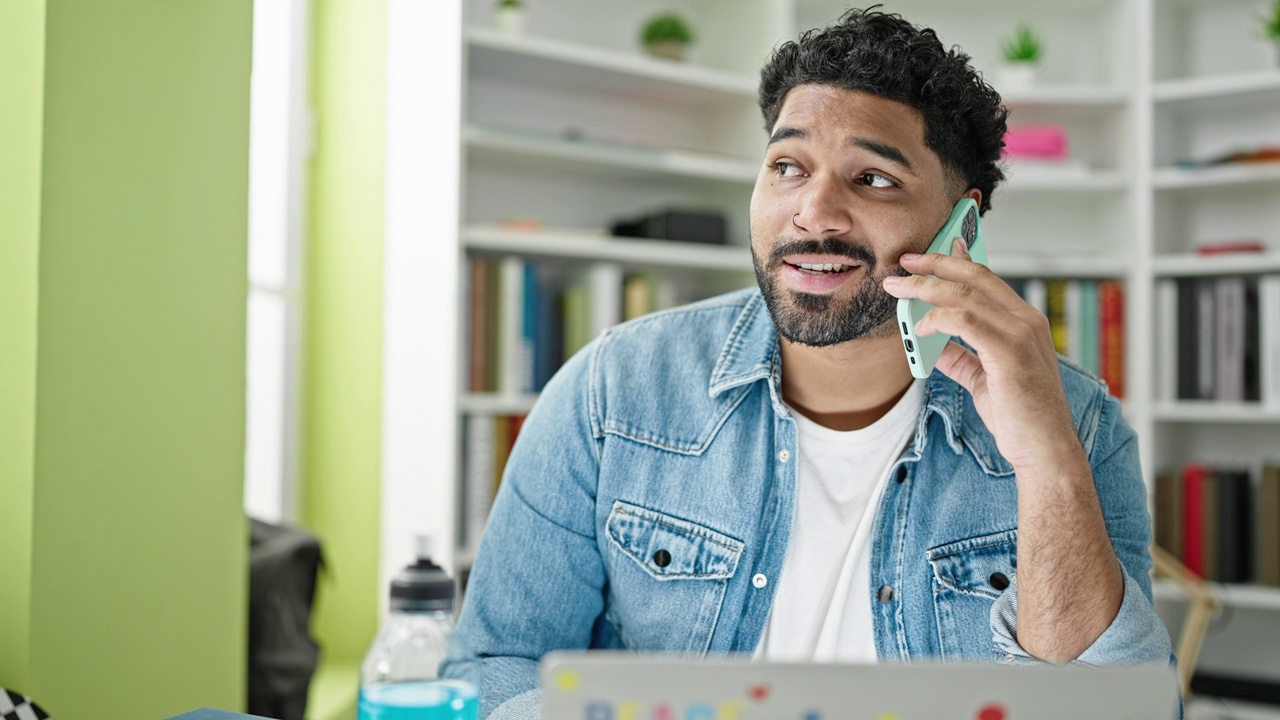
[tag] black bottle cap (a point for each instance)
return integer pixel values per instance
(422, 586)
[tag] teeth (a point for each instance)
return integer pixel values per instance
(822, 267)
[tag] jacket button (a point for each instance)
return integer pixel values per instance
(886, 593)
(902, 473)
(784, 455)
(999, 581)
(759, 580)
(662, 558)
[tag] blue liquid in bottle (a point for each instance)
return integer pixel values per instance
(420, 700)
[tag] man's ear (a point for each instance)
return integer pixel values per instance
(974, 193)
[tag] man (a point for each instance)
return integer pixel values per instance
(760, 473)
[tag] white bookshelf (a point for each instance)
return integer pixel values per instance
(1243, 597)
(570, 123)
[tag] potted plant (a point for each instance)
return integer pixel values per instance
(1022, 54)
(667, 36)
(1271, 28)
(509, 16)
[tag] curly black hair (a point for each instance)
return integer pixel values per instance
(884, 55)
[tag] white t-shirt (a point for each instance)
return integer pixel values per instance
(822, 609)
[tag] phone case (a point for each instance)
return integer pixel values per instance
(923, 352)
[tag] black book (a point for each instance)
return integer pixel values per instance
(1252, 343)
(1188, 340)
(1235, 526)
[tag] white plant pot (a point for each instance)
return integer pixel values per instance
(1017, 76)
(509, 20)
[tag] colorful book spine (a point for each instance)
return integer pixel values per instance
(1111, 331)
(1090, 322)
(1269, 340)
(478, 479)
(1056, 304)
(1268, 526)
(1193, 518)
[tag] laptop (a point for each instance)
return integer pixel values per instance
(626, 686)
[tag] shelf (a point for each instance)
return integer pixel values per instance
(495, 404)
(1173, 178)
(1227, 264)
(1036, 178)
(1215, 92)
(593, 71)
(1250, 597)
(1049, 266)
(503, 145)
(1066, 97)
(1192, 411)
(591, 245)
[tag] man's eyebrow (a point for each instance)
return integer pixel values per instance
(888, 152)
(787, 133)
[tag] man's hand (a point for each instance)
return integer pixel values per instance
(1070, 585)
(1014, 377)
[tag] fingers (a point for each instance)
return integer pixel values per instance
(962, 365)
(958, 267)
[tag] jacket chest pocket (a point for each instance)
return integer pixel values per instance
(968, 576)
(667, 579)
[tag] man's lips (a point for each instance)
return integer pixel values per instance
(821, 262)
(811, 273)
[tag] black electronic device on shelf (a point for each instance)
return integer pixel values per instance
(695, 226)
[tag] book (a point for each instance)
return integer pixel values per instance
(1210, 535)
(1228, 339)
(1168, 520)
(1056, 304)
(1188, 329)
(530, 316)
(501, 449)
(1111, 352)
(1073, 307)
(510, 355)
(1252, 343)
(1090, 320)
(638, 296)
(1193, 476)
(477, 332)
(1036, 295)
(606, 297)
(1166, 349)
(575, 302)
(478, 478)
(1269, 340)
(1205, 335)
(1235, 526)
(1267, 520)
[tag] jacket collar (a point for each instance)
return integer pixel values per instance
(751, 354)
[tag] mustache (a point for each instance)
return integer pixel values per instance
(828, 246)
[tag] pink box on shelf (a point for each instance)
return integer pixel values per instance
(1036, 142)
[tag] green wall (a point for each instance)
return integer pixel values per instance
(136, 581)
(343, 377)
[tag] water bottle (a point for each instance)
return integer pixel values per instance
(399, 679)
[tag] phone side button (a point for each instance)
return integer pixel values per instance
(910, 347)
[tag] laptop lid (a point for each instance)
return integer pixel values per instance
(625, 686)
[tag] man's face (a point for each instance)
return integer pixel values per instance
(847, 182)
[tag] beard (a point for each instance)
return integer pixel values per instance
(821, 320)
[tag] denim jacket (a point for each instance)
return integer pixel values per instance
(669, 433)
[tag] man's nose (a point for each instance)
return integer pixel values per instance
(824, 209)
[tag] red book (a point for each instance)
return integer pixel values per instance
(477, 351)
(1193, 477)
(1111, 335)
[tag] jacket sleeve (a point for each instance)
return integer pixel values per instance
(538, 580)
(1136, 636)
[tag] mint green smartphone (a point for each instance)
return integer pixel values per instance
(923, 352)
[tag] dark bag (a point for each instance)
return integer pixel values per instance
(283, 565)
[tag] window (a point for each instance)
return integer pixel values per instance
(279, 146)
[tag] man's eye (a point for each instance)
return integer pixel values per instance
(786, 169)
(876, 181)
